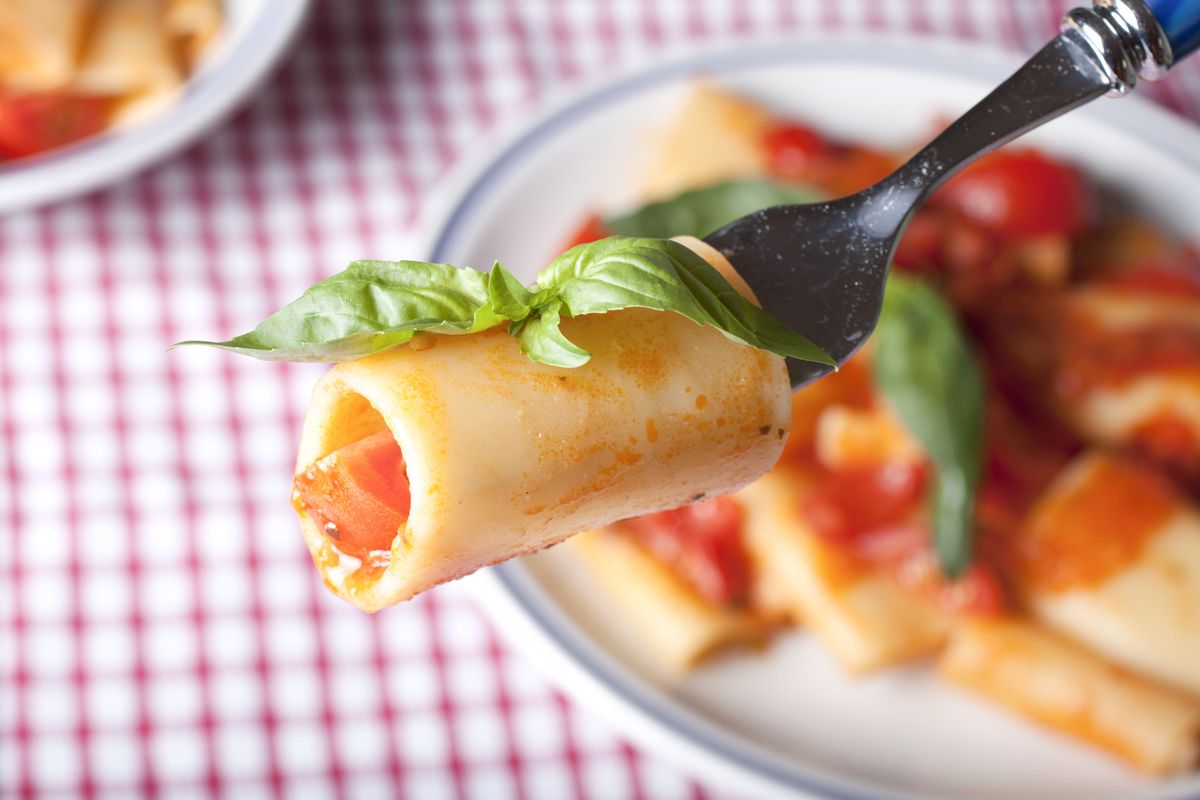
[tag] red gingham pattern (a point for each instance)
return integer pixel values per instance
(162, 631)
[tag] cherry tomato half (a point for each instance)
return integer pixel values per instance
(702, 544)
(1021, 193)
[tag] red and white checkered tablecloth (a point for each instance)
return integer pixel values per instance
(162, 631)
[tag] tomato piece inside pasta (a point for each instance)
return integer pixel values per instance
(359, 496)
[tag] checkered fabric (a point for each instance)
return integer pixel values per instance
(162, 631)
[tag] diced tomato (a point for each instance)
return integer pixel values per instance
(1020, 193)
(892, 543)
(359, 495)
(589, 230)
(702, 544)
(34, 123)
(797, 153)
(847, 503)
(905, 550)
(977, 591)
(794, 152)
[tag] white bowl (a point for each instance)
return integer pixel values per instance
(788, 723)
(257, 34)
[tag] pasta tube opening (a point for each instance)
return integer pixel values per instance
(357, 497)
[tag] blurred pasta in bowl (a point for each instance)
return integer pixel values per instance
(94, 90)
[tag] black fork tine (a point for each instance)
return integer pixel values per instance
(830, 287)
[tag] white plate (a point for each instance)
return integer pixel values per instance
(788, 723)
(257, 33)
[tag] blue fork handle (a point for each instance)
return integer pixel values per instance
(1180, 20)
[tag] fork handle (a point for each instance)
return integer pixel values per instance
(1131, 39)
(1101, 50)
(1180, 21)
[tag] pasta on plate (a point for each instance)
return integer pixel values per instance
(1080, 609)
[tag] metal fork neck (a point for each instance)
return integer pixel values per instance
(1125, 38)
(1102, 49)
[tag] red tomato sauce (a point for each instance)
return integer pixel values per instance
(1168, 279)
(359, 497)
(31, 124)
(1081, 537)
(874, 516)
(702, 544)
(847, 505)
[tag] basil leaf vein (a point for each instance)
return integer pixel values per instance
(930, 376)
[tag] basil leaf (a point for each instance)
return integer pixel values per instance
(507, 296)
(699, 212)
(368, 307)
(542, 340)
(375, 305)
(622, 272)
(927, 371)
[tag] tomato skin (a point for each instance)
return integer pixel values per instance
(34, 123)
(847, 503)
(359, 495)
(977, 591)
(868, 513)
(794, 152)
(1020, 193)
(590, 230)
(905, 550)
(702, 544)
(798, 153)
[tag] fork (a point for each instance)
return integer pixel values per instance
(821, 268)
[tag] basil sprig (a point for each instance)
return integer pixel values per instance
(699, 212)
(929, 374)
(375, 305)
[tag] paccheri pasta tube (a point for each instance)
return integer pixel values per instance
(1136, 599)
(867, 620)
(1064, 686)
(675, 623)
(39, 40)
(501, 456)
(128, 56)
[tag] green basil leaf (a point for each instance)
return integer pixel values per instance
(374, 305)
(928, 372)
(368, 307)
(542, 340)
(507, 296)
(699, 212)
(621, 272)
